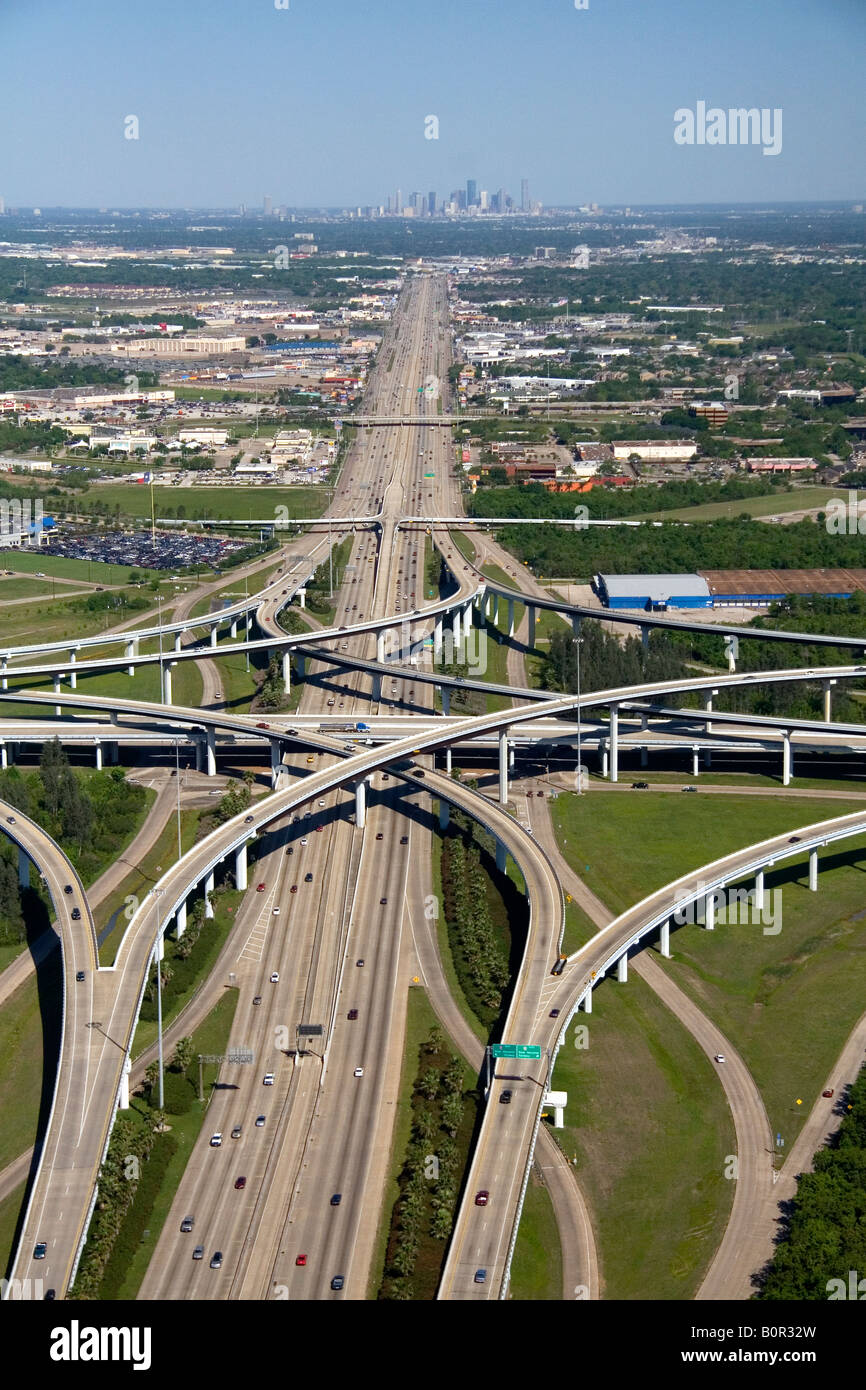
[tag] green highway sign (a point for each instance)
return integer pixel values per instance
(517, 1051)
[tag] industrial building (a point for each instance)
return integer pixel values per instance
(652, 592)
(759, 588)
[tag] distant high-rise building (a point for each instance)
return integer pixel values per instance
(267, 205)
(524, 196)
(242, 209)
(485, 200)
(389, 207)
(460, 199)
(2, 206)
(431, 203)
(398, 205)
(471, 192)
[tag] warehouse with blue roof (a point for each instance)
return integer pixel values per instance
(654, 593)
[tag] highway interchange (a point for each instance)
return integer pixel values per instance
(334, 894)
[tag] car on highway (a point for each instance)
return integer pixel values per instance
(67, 888)
(275, 911)
(216, 1260)
(198, 1252)
(40, 1250)
(248, 820)
(236, 1132)
(505, 1098)
(404, 839)
(268, 1078)
(828, 1093)
(79, 976)
(300, 1260)
(482, 1198)
(260, 1120)
(689, 789)
(554, 1013)
(275, 977)
(481, 1276)
(303, 840)
(337, 1282)
(216, 1140)
(718, 1057)
(359, 1071)
(260, 888)
(352, 1015)
(294, 888)
(383, 902)
(290, 850)
(794, 840)
(240, 1184)
(76, 914)
(257, 999)
(360, 962)
(640, 786)
(379, 835)
(263, 726)
(336, 1199)
(308, 878)
(187, 1224)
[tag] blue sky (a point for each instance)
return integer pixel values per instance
(324, 103)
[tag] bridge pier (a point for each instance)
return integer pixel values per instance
(587, 1001)
(131, 652)
(708, 706)
(300, 664)
(437, 639)
(166, 681)
(4, 755)
(233, 628)
(826, 687)
(501, 854)
(458, 639)
(532, 614)
(604, 758)
(644, 755)
(4, 679)
(444, 815)
(377, 689)
(813, 870)
(180, 920)
(57, 708)
(448, 760)
(210, 744)
(787, 760)
(361, 803)
(241, 867)
(644, 637)
(73, 679)
(511, 617)
(23, 869)
(213, 634)
(710, 911)
(287, 670)
(575, 623)
(694, 760)
(208, 889)
(622, 968)
(666, 940)
(445, 691)
(614, 743)
(178, 641)
(98, 753)
(380, 646)
(199, 754)
(276, 765)
(759, 891)
(123, 1103)
(732, 660)
(503, 767)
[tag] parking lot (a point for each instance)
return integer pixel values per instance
(138, 549)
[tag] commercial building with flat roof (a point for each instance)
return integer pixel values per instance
(653, 592)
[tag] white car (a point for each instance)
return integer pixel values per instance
(359, 1071)
(268, 1079)
(275, 977)
(216, 1141)
(304, 840)
(718, 1057)
(275, 912)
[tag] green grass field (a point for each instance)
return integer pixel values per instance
(648, 1122)
(142, 877)
(536, 1268)
(10, 1209)
(241, 503)
(30, 561)
(799, 500)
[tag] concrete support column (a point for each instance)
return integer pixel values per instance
(458, 639)
(694, 760)
(826, 687)
(4, 755)
(380, 647)
(587, 1001)
(233, 628)
(213, 635)
(614, 743)
(532, 615)
(575, 623)
(23, 869)
(437, 639)
(377, 689)
(123, 1104)
(666, 939)
(759, 891)
(503, 767)
(501, 854)
(813, 870)
(467, 619)
(708, 706)
(166, 682)
(98, 752)
(622, 968)
(114, 752)
(287, 670)
(446, 698)
(644, 638)
(732, 660)
(73, 679)
(276, 765)
(302, 595)
(444, 815)
(644, 755)
(178, 641)
(199, 754)
(4, 679)
(710, 911)
(57, 708)
(448, 761)
(300, 664)
(210, 737)
(604, 760)
(208, 890)
(180, 920)
(511, 617)
(361, 804)
(131, 651)
(787, 760)
(241, 867)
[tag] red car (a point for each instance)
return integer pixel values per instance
(828, 1093)
(260, 888)
(482, 1198)
(263, 726)
(240, 1183)
(301, 1260)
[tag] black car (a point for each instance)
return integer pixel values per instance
(79, 975)
(308, 878)
(505, 1098)
(640, 786)
(68, 888)
(337, 1282)
(76, 914)
(336, 1199)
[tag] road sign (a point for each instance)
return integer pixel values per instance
(310, 1030)
(516, 1050)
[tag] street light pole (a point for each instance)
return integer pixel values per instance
(177, 775)
(577, 641)
(157, 894)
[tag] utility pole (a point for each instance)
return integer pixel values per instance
(157, 894)
(577, 642)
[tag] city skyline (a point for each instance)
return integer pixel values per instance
(335, 105)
